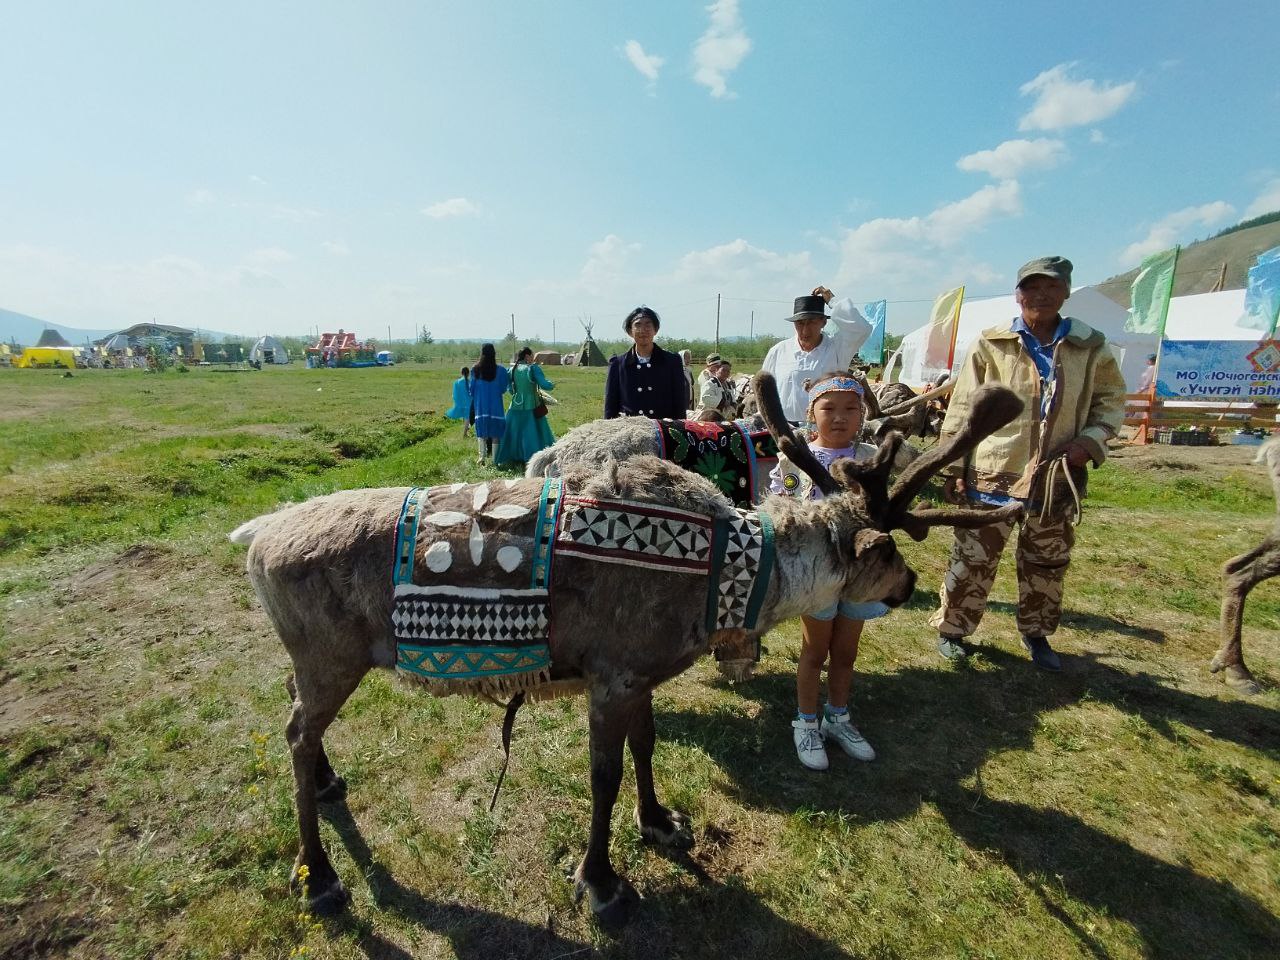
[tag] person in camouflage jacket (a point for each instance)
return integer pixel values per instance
(1074, 394)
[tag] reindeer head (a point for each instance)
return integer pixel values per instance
(865, 510)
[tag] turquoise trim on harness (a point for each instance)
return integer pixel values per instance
(751, 460)
(766, 570)
(407, 536)
(544, 533)
(719, 541)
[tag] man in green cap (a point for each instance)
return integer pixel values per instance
(1074, 395)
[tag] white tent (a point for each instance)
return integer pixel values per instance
(268, 350)
(1202, 316)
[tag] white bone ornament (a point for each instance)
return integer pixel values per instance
(507, 511)
(446, 518)
(439, 557)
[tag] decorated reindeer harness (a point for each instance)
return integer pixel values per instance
(727, 454)
(475, 573)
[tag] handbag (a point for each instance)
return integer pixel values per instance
(541, 409)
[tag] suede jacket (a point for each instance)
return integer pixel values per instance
(1085, 405)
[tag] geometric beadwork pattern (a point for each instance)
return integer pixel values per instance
(635, 534)
(472, 618)
(452, 663)
(740, 579)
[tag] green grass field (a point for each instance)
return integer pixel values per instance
(1129, 807)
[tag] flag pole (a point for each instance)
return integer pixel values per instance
(955, 329)
(1144, 435)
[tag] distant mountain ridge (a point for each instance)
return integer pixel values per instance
(1200, 264)
(26, 331)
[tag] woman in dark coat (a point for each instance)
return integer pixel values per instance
(646, 381)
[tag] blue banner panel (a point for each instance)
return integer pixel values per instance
(1219, 370)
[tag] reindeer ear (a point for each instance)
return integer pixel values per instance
(868, 539)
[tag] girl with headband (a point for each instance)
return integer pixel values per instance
(830, 636)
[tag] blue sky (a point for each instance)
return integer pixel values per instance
(275, 167)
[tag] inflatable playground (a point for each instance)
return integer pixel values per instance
(342, 349)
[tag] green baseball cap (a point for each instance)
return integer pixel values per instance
(1057, 267)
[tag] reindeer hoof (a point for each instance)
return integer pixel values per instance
(330, 902)
(335, 789)
(673, 831)
(611, 911)
(1238, 677)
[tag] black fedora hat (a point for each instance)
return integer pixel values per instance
(809, 306)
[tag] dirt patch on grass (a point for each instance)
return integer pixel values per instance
(141, 557)
(1225, 458)
(41, 930)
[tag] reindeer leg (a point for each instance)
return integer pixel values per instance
(609, 896)
(1242, 574)
(657, 824)
(329, 786)
(315, 705)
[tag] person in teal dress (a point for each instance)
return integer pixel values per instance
(527, 427)
(461, 409)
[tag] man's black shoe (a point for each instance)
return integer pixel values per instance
(1042, 654)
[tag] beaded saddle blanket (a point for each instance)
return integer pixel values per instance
(475, 566)
(727, 454)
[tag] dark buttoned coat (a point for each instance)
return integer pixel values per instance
(654, 389)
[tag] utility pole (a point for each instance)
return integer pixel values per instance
(388, 334)
(717, 323)
(753, 325)
(513, 326)
(553, 331)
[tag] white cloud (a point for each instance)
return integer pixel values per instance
(918, 256)
(1063, 102)
(1164, 233)
(254, 178)
(606, 262)
(269, 255)
(1097, 136)
(721, 49)
(737, 262)
(200, 197)
(335, 247)
(1011, 158)
(1267, 201)
(648, 64)
(456, 207)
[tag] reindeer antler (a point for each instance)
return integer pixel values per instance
(993, 406)
(795, 449)
(941, 390)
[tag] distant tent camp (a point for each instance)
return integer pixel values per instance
(268, 350)
(52, 338)
(589, 354)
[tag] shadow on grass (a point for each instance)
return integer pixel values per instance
(1095, 623)
(707, 920)
(934, 730)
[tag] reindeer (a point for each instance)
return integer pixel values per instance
(1241, 574)
(324, 569)
(594, 443)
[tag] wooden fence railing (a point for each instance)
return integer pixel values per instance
(1149, 415)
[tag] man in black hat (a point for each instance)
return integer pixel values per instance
(812, 351)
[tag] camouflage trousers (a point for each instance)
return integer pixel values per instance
(1043, 552)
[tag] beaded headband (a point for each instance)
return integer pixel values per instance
(832, 385)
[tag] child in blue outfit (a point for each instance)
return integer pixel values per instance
(461, 409)
(831, 635)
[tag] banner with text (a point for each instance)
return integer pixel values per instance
(1219, 370)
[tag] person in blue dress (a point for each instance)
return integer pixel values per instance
(527, 427)
(489, 382)
(461, 409)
